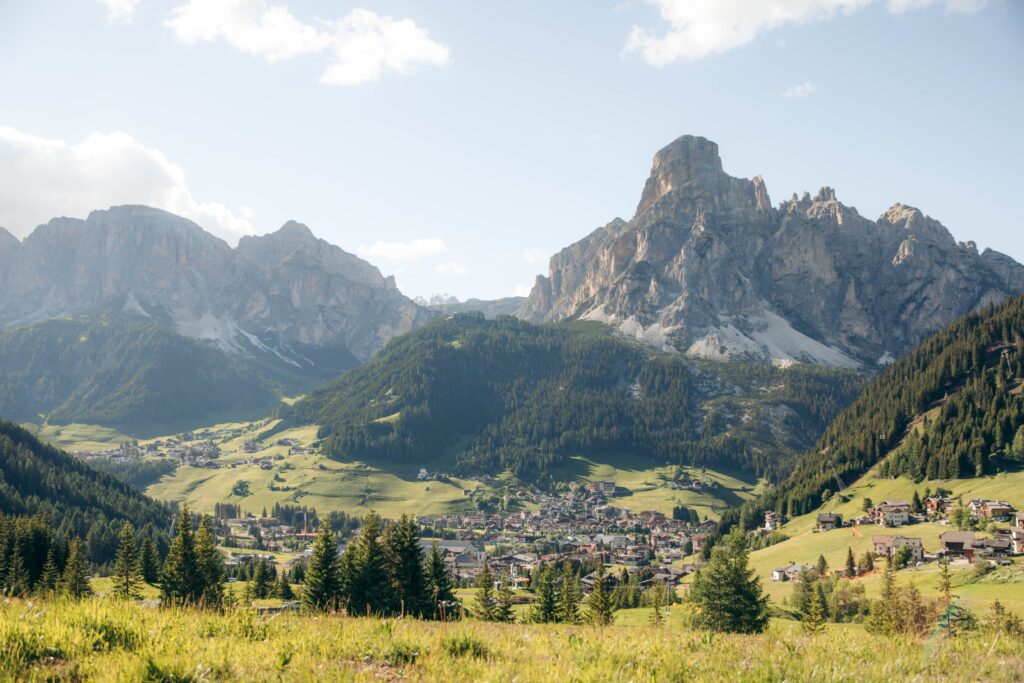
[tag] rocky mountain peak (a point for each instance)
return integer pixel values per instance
(708, 267)
(8, 242)
(684, 161)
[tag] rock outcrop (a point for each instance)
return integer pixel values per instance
(283, 295)
(708, 266)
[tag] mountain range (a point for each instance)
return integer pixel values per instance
(708, 266)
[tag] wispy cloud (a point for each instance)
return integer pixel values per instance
(361, 45)
(451, 269)
(42, 178)
(800, 91)
(120, 10)
(702, 28)
(535, 256)
(412, 250)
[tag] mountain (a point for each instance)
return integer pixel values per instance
(709, 267)
(488, 396)
(133, 375)
(491, 308)
(953, 408)
(38, 479)
(286, 297)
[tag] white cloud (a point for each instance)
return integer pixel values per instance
(362, 44)
(535, 256)
(800, 91)
(523, 290)
(451, 268)
(413, 250)
(365, 44)
(120, 10)
(41, 178)
(702, 28)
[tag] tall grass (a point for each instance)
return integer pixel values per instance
(108, 641)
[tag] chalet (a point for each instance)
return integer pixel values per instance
(958, 544)
(828, 521)
(992, 547)
(1017, 540)
(938, 505)
(889, 546)
(773, 521)
(996, 510)
(791, 572)
(606, 488)
(891, 513)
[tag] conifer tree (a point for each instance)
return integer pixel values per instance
(569, 596)
(320, 590)
(369, 583)
(813, 621)
(851, 565)
(656, 617)
(727, 592)
(126, 571)
(599, 606)
(180, 581)
(545, 610)
(17, 573)
(822, 565)
(261, 580)
(75, 582)
(406, 557)
(945, 583)
(439, 585)
(210, 563)
(485, 605)
(149, 562)
(50, 577)
(504, 611)
(283, 588)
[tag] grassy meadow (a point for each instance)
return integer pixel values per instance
(108, 641)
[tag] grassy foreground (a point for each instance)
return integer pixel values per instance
(107, 641)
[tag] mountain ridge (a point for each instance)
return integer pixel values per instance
(709, 267)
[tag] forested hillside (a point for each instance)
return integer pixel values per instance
(135, 376)
(37, 479)
(952, 408)
(506, 394)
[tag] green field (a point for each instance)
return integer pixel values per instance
(109, 641)
(78, 437)
(642, 486)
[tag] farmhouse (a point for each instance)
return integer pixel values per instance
(891, 513)
(791, 572)
(996, 510)
(958, 543)
(889, 546)
(828, 521)
(773, 521)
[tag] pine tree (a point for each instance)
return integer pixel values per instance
(851, 565)
(283, 588)
(17, 573)
(439, 586)
(545, 610)
(75, 582)
(813, 621)
(261, 580)
(485, 605)
(599, 606)
(210, 563)
(149, 562)
(369, 583)
(320, 589)
(822, 565)
(727, 593)
(656, 617)
(180, 581)
(51, 576)
(945, 583)
(504, 612)
(406, 555)
(868, 561)
(569, 596)
(126, 571)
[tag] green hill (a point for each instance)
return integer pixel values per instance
(504, 395)
(38, 479)
(951, 409)
(137, 377)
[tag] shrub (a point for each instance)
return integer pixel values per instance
(465, 645)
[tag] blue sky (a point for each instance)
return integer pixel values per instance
(459, 143)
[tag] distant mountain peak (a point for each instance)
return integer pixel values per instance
(707, 266)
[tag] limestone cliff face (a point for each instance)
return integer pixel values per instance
(709, 267)
(273, 293)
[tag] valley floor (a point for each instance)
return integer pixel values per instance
(107, 641)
